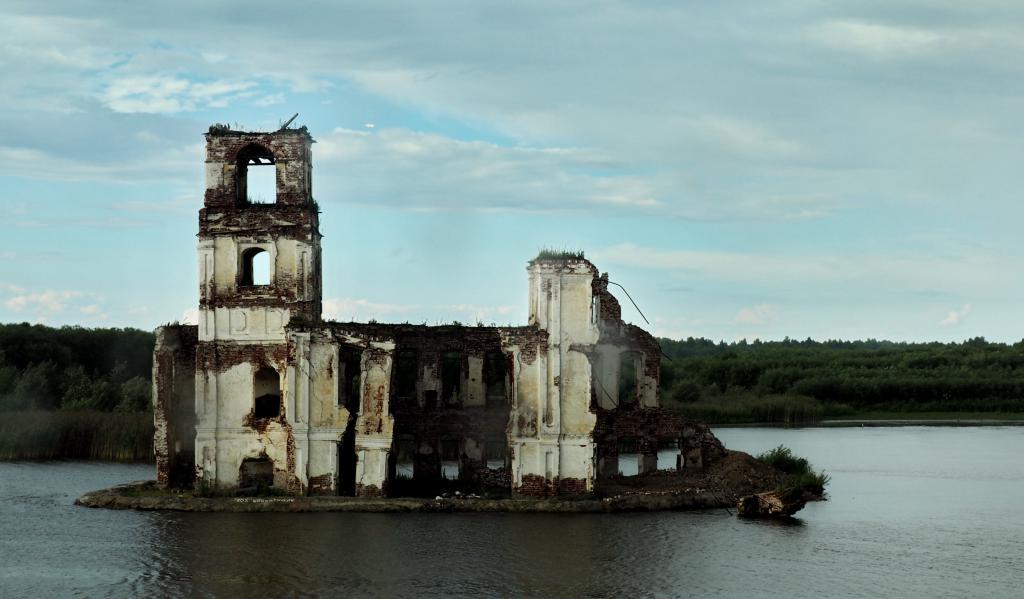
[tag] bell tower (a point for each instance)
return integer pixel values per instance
(259, 263)
(259, 270)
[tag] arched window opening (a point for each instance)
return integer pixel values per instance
(627, 378)
(257, 175)
(267, 393)
(255, 267)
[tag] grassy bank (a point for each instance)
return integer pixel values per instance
(89, 435)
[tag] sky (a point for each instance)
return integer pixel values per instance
(745, 169)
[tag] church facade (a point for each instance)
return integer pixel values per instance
(264, 393)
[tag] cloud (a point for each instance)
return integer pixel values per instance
(90, 309)
(361, 310)
(270, 100)
(955, 317)
(757, 315)
(824, 271)
(745, 137)
(474, 314)
(190, 316)
(170, 164)
(879, 122)
(47, 301)
(167, 94)
(427, 171)
(879, 40)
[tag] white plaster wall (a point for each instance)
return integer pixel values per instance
(557, 386)
(375, 425)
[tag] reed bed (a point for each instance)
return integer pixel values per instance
(86, 435)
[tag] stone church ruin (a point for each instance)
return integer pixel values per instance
(264, 393)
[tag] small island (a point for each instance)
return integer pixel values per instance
(772, 485)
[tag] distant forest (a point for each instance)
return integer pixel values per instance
(797, 381)
(73, 368)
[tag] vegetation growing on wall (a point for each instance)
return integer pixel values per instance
(553, 254)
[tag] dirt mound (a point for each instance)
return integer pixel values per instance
(731, 476)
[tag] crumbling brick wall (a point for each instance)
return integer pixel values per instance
(174, 370)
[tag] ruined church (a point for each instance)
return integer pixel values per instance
(264, 393)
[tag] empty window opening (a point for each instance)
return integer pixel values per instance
(347, 460)
(255, 267)
(255, 474)
(267, 392)
(405, 376)
(430, 400)
(600, 391)
(257, 176)
(494, 378)
(348, 379)
(627, 378)
(495, 450)
(451, 379)
(629, 457)
(668, 452)
(405, 458)
(451, 452)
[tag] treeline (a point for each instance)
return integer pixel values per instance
(73, 368)
(794, 381)
(76, 369)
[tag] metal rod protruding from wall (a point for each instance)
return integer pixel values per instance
(630, 300)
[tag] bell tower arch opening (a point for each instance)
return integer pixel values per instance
(256, 267)
(256, 172)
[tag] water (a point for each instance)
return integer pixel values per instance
(915, 512)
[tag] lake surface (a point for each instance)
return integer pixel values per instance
(914, 512)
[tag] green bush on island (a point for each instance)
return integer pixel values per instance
(802, 477)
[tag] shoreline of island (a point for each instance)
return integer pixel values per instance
(127, 497)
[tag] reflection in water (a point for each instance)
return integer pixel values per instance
(915, 513)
